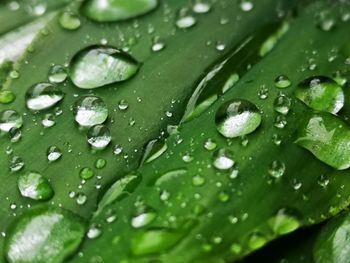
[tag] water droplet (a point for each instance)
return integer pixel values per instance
(15, 134)
(81, 198)
(69, 21)
(10, 119)
(256, 240)
(143, 218)
(282, 104)
(246, 5)
(6, 96)
(35, 186)
(16, 164)
(277, 169)
(284, 222)
(280, 122)
(323, 180)
(198, 180)
(90, 111)
(157, 45)
(43, 96)
(110, 10)
(86, 173)
(57, 74)
(185, 20)
(222, 159)
(100, 163)
(117, 149)
(201, 7)
(53, 153)
(282, 82)
(44, 235)
(48, 120)
(98, 66)
(327, 137)
(321, 93)
(237, 118)
(123, 105)
(94, 232)
(99, 136)
(210, 144)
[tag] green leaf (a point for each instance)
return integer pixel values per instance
(163, 85)
(252, 189)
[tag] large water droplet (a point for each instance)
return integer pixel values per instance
(35, 186)
(10, 119)
(90, 111)
(328, 138)
(99, 136)
(321, 93)
(116, 10)
(237, 118)
(97, 66)
(42, 96)
(44, 235)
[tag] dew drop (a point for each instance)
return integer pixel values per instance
(284, 222)
(276, 169)
(246, 5)
(282, 104)
(98, 66)
(327, 137)
(10, 119)
(222, 159)
(44, 235)
(53, 153)
(86, 173)
(99, 136)
(16, 164)
(111, 10)
(69, 21)
(237, 118)
(6, 96)
(321, 94)
(201, 7)
(143, 218)
(57, 74)
(35, 186)
(43, 96)
(90, 111)
(282, 82)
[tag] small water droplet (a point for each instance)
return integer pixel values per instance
(10, 119)
(16, 163)
(86, 173)
(222, 159)
(210, 144)
(99, 137)
(43, 96)
(69, 21)
(201, 7)
(284, 222)
(276, 169)
(35, 186)
(237, 118)
(143, 218)
(282, 82)
(57, 74)
(90, 111)
(246, 5)
(6, 96)
(53, 153)
(282, 104)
